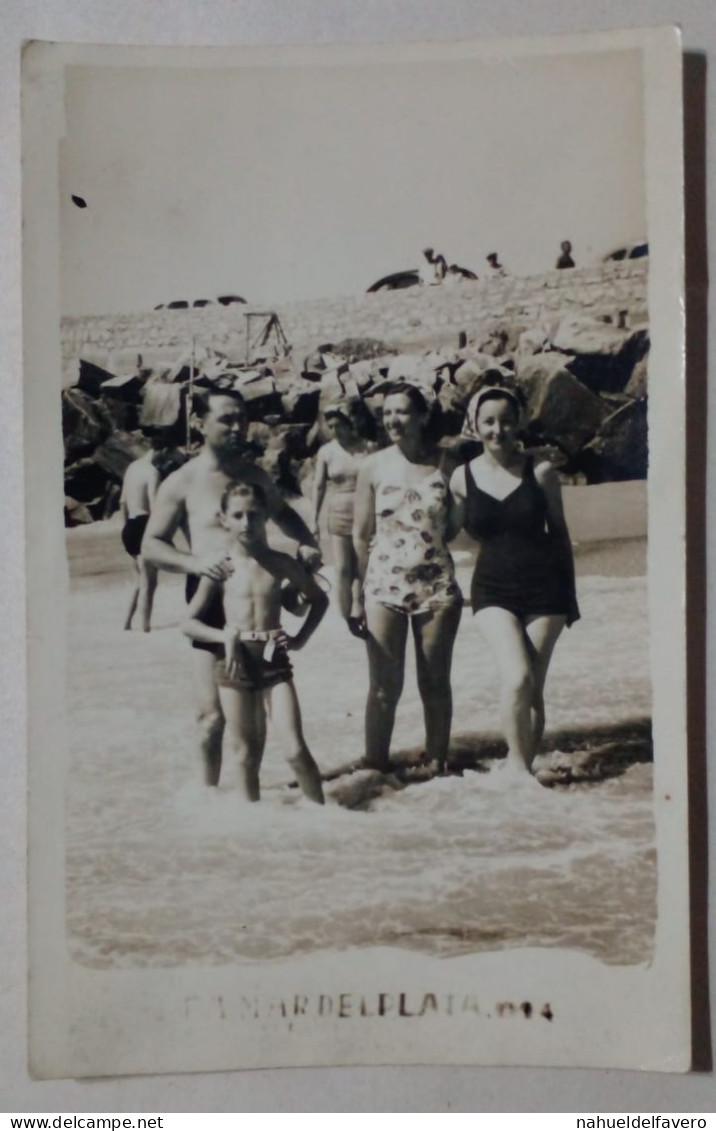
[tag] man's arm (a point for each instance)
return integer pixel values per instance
(164, 521)
(289, 520)
(168, 515)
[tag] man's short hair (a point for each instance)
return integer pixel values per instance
(245, 490)
(201, 403)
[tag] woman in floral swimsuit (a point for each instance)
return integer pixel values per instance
(402, 521)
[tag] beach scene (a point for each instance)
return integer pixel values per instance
(163, 871)
(307, 257)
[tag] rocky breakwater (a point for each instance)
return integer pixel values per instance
(578, 347)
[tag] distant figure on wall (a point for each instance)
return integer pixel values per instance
(453, 275)
(434, 268)
(496, 268)
(565, 259)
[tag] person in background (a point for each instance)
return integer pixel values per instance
(337, 466)
(139, 489)
(496, 268)
(565, 259)
(432, 270)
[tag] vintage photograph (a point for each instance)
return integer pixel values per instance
(355, 357)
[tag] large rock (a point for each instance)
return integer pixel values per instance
(127, 388)
(452, 403)
(92, 377)
(364, 374)
(85, 423)
(414, 368)
(86, 482)
(502, 338)
(536, 339)
(638, 384)
(620, 449)
(601, 355)
(162, 405)
(125, 417)
(117, 452)
(260, 394)
(559, 407)
(299, 403)
(475, 371)
(76, 514)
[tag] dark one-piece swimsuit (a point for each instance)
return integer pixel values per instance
(520, 567)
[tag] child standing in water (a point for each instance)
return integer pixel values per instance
(337, 469)
(255, 675)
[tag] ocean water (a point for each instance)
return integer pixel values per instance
(162, 871)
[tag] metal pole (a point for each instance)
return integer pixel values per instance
(190, 400)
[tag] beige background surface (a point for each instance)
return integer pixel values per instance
(354, 1090)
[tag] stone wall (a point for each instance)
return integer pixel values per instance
(411, 319)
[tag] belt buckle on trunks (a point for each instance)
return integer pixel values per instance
(262, 636)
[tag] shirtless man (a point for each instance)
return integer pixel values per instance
(139, 489)
(190, 500)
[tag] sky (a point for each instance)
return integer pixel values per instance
(280, 183)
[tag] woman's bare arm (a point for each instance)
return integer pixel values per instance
(456, 504)
(364, 515)
(548, 480)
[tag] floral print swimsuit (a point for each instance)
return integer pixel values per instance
(410, 568)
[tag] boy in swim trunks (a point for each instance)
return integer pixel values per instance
(255, 676)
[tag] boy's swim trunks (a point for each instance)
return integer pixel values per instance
(254, 671)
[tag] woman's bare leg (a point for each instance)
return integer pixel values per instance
(542, 635)
(285, 713)
(507, 640)
(344, 560)
(244, 735)
(434, 637)
(387, 635)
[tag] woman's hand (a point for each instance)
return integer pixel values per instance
(357, 623)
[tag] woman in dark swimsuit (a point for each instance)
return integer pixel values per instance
(523, 591)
